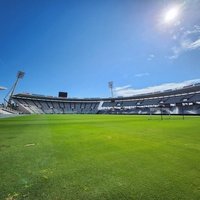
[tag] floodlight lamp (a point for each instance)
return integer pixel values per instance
(20, 74)
(110, 84)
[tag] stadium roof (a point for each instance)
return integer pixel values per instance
(184, 90)
(2, 88)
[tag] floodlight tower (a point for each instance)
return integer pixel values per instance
(8, 97)
(110, 85)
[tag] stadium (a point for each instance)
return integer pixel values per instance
(67, 132)
(180, 102)
(101, 148)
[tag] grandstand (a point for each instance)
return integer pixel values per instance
(180, 101)
(39, 104)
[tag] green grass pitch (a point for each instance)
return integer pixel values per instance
(61, 157)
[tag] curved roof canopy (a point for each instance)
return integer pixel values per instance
(2, 88)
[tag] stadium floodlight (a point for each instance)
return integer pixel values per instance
(20, 74)
(8, 97)
(110, 85)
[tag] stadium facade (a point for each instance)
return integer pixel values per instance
(180, 101)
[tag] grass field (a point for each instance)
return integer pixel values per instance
(61, 157)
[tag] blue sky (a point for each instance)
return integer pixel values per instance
(78, 46)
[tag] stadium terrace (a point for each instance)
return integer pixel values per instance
(180, 101)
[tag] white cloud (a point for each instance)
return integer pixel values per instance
(176, 51)
(187, 41)
(123, 87)
(174, 37)
(151, 57)
(190, 45)
(129, 91)
(142, 74)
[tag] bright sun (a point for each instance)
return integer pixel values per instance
(171, 14)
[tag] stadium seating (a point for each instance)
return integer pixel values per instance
(180, 101)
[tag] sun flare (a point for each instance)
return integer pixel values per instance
(171, 14)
